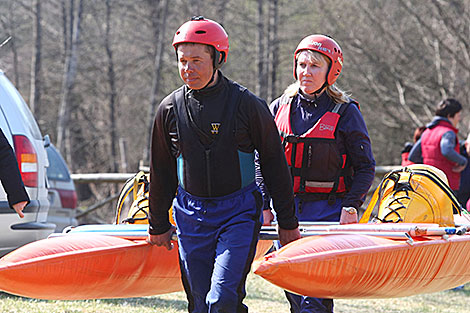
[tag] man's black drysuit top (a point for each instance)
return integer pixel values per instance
(255, 130)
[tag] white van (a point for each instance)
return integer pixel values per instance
(23, 134)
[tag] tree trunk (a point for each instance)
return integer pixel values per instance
(70, 73)
(221, 7)
(123, 154)
(273, 59)
(35, 88)
(65, 27)
(161, 10)
(112, 87)
(9, 25)
(260, 53)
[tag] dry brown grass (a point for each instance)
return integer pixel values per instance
(263, 297)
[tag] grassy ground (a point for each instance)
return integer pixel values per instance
(263, 297)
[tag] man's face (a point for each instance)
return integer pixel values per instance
(195, 65)
(455, 119)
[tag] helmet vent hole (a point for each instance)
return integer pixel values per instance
(178, 32)
(200, 31)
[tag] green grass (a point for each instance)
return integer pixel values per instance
(262, 297)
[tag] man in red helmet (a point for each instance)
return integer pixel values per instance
(203, 142)
(326, 144)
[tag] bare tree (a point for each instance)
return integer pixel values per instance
(70, 71)
(221, 6)
(159, 22)
(35, 86)
(8, 25)
(400, 58)
(273, 48)
(261, 84)
(112, 88)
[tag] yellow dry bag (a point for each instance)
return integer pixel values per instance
(417, 193)
(138, 211)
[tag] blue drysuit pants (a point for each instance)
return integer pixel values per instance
(217, 240)
(314, 211)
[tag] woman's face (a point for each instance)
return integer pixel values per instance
(311, 71)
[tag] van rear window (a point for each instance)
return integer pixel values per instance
(57, 169)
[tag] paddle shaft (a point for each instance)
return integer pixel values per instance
(264, 235)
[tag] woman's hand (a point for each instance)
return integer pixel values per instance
(348, 216)
(268, 217)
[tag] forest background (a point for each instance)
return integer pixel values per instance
(94, 71)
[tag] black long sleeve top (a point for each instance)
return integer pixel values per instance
(10, 174)
(255, 130)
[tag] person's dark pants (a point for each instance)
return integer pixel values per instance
(313, 211)
(301, 304)
(217, 239)
(463, 196)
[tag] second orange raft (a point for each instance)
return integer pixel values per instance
(361, 266)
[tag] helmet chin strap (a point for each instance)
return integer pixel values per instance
(325, 84)
(211, 80)
(317, 92)
(217, 64)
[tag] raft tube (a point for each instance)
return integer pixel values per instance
(89, 266)
(362, 266)
(94, 262)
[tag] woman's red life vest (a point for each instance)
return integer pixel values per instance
(431, 152)
(317, 167)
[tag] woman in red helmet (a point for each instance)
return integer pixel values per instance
(326, 144)
(203, 143)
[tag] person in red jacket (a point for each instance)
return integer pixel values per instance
(408, 146)
(439, 145)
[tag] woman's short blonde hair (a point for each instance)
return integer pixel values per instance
(335, 93)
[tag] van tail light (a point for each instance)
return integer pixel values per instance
(68, 198)
(27, 160)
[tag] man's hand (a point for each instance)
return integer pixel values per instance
(348, 215)
(18, 207)
(268, 217)
(288, 235)
(162, 239)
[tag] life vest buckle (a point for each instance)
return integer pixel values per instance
(292, 139)
(331, 199)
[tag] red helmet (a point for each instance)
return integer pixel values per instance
(326, 46)
(204, 31)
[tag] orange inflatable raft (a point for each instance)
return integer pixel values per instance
(89, 266)
(94, 262)
(388, 259)
(419, 258)
(363, 266)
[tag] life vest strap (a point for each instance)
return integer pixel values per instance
(319, 184)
